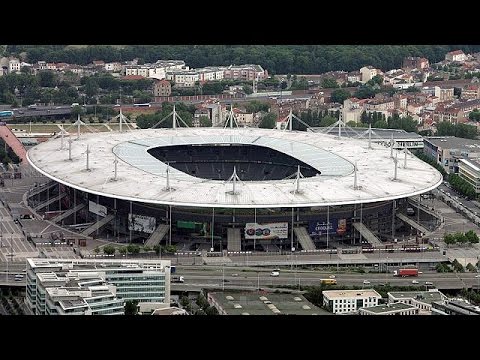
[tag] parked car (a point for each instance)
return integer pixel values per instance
(275, 273)
(366, 282)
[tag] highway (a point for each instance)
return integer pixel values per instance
(251, 277)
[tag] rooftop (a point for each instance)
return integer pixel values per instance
(344, 294)
(424, 296)
(380, 309)
(85, 264)
(252, 303)
(143, 178)
(452, 142)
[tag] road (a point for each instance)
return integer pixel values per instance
(251, 277)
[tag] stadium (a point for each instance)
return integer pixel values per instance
(233, 189)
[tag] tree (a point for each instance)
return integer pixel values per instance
(205, 121)
(329, 83)
(472, 237)
(327, 121)
(133, 248)
(339, 96)
(457, 266)
(268, 121)
(158, 249)
(46, 78)
(184, 301)
(471, 268)
(146, 248)
(376, 80)
(211, 311)
(170, 249)
(474, 115)
(380, 124)
(96, 250)
(131, 307)
(76, 110)
(247, 89)
(449, 239)
(109, 249)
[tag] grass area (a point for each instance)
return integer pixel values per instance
(50, 128)
(37, 128)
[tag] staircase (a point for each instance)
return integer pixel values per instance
(304, 238)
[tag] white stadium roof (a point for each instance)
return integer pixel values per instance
(142, 178)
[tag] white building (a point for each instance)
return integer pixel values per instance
(13, 65)
(113, 67)
(469, 170)
(147, 281)
(345, 301)
(157, 70)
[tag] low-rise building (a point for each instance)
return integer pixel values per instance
(13, 65)
(415, 63)
(346, 301)
(390, 309)
(248, 72)
(368, 72)
(162, 88)
(253, 303)
(113, 67)
(469, 170)
(420, 299)
(457, 55)
(147, 281)
(454, 307)
(448, 150)
(470, 92)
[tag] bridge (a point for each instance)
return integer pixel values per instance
(11, 140)
(412, 223)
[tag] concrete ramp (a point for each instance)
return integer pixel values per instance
(367, 234)
(157, 235)
(304, 238)
(234, 239)
(412, 223)
(49, 201)
(67, 213)
(9, 137)
(98, 225)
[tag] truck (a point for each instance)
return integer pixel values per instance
(177, 279)
(405, 272)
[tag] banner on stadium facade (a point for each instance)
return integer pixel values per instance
(266, 231)
(97, 208)
(335, 227)
(146, 224)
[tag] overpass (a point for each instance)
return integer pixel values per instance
(50, 201)
(367, 234)
(98, 225)
(157, 236)
(11, 140)
(412, 223)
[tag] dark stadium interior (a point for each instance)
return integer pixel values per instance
(216, 161)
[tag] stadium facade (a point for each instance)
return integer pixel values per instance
(234, 189)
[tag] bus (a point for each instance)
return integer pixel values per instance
(142, 105)
(328, 281)
(6, 113)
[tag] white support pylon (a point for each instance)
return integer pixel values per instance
(405, 161)
(369, 136)
(234, 179)
(174, 118)
(391, 147)
(395, 160)
(69, 149)
(355, 183)
(78, 126)
(88, 152)
(115, 163)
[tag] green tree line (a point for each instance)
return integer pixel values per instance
(278, 59)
